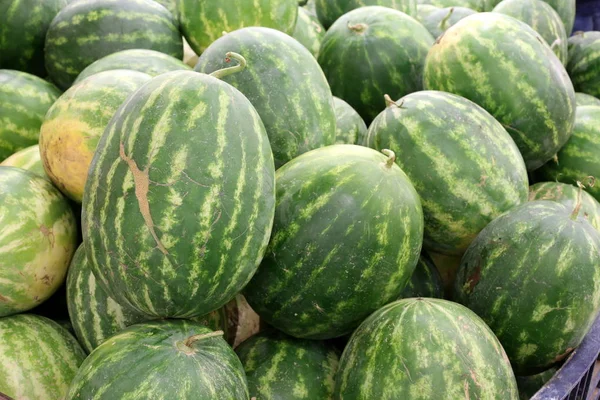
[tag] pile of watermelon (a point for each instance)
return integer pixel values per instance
(273, 199)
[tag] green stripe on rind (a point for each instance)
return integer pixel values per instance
(39, 358)
(578, 159)
(438, 20)
(583, 99)
(28, 159)
(564, 8)
(385, 56)
(147, 61)
(285, 84)
(309, 31)
(462, 162)
(150, 361)
(329, 11)
(476, 5)
(351, 129)
(425, 281)
(368, 221)
(280, 367)
(184, 234)
(424, 349)
(203, 22)
(532, 275)
(24, 100)
(503, 65)
(584, 62)
(87, 30)
(37, 239)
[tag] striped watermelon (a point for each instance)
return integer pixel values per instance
(583, 99)
(476, 5)
(584, 62)
(185, 144)
(329, 11)
(369, 222)
(542, 18)
(285, 84)
(564, 8)
(162, 360)
(578, 159)
(39, 358)
(29, 159)
(203, 22)
(24, 100)
(309, 31)
(504, 66)
(362, 60)
(351, 129)
(425, 281)
(280, 367)
(424, 349)
(37, 240)
(532, 275)
(438, 20)
(74, 124)
(87, 30)
(147, 61)
(431, 130)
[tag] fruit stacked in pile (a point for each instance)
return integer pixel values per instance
(338, 199)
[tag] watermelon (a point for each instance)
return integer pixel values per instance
(529, 385)
(424, 349)
(280, 367)
(38, 238)
(438, 20)
(24, 100)
(309, 31)
(329, 11)
(476, 5)
(583, 99)
(169, 5)
(544, 249)
(310, 6)
(73, 126)
(542, 18)
(425, 281)
(203, 22)
(162, 360)
(431, 131)
(351, 129)
(147, 61)
(578, 158)
(505, 66)
(185, 144)
(29, 159)
(86, 31)
(564, 8)
(23, 26)
(285, 84)
(39, 358)
(584, 62)
(369, 222)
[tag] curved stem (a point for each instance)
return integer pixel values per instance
(391, 157)
(389, 102)
(189, 342)
(555, 44)
(358, 28)
(444, 21)
(221, 73)
(590, 181)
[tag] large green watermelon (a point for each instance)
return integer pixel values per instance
(424, 349)
(532, 275)
(38, 358)
(37, 239)
(368, 220)
(281, 367)
(464, 165)
(425, 281)
(438, 20)
(309, 31)
(564, 8)
(583, 99)
(24, 100)
(372, 51)
(180, 360)
(584, 62)
(29, 159)
(285, 84)
(179, 200)
(503, 65)
(578, 159)
(350, 127)
(86, 31)
(329, 11)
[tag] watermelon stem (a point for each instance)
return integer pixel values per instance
(389, 102)
(221, 73)
(189, 342)
(590, 180)
(444, 21)
(391, 157)
(555, 44)
(358, 28)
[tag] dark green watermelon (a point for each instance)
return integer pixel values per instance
(351, 129)
(529, 385)
(309, 31)
(329, 11)
(584, 62)
(438, 20)
(425, 281)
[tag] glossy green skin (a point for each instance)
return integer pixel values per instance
(583, 99)
(477, 5)
(28, 159)
(285, 84)
(204, 21)
(535, 248)
(430, 131)
(529, 385)
(309, 31)
(86, 31)
(438, 20)
(328, 11)
(387, 57)
(504, 66)
(578, 158)
(351, 129)
(584, 62)
(39, 358)
(197, 147)
(564, 8)
(424, 349)
(24, 100)
(542, 18)
(23, 26)
(281, 367)
(148, 61)
(151, 361)
(324, 289)
(425, 281)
